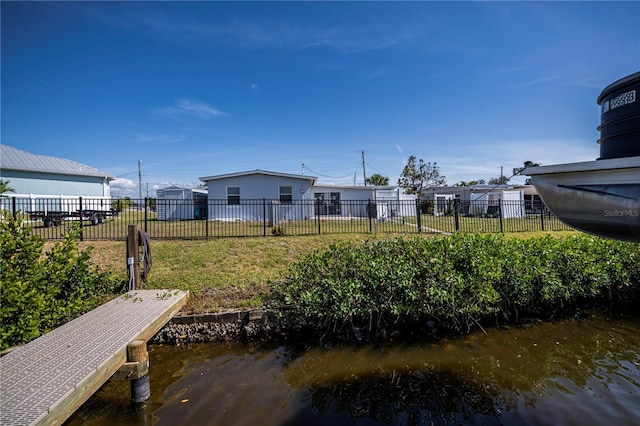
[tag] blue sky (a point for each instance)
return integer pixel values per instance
(197, 89)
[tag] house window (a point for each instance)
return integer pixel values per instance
(233, 195)
(327, 203)
(286, 194)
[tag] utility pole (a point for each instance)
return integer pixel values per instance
(364, 171)
(140, 179)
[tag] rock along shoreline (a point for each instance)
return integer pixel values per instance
(240, 325)
(264, 324)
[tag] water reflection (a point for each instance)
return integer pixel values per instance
(566, 372)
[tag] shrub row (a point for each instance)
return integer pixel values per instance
(457, 281)
(40, 290)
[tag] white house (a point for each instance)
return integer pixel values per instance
(395, 201)
(43, 182)
(257, 195)
(180, 203)
(361, 201)
(481, 200)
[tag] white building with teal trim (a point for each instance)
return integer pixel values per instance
(35, 178)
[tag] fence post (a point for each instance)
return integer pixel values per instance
(146, 207)
(370, 214)
(418, 216)
(81, 221)
(456, 217)
(318, 213)
(264, 217)
(13, 207)
(500, 215)
(206, 220)
(542, 216)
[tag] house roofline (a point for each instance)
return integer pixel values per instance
(18, 160)
(480, 187)
(183, 188)
(259, 172)
(56, 172)
(356, 187)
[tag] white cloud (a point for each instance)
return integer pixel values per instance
(159, 138)
(190, 107)
(121, 187)
(199, 108)
(376, 74)
(485, 161)
(545, 151)
(536, 81)
(369, 34)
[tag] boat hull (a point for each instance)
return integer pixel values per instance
(599, 197)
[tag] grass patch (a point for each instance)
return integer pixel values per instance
(222, 273)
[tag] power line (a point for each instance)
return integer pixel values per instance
(327, 176)
(382, 173)
(127, 174)
(501, 184)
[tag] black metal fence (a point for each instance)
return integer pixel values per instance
(101, 219)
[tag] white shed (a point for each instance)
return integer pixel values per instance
(479, 200)
(361, 201)
(508, 203)
(180, 203)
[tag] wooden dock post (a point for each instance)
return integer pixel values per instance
(140, 388)
(133, 252)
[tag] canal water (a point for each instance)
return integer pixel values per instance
(567, 372)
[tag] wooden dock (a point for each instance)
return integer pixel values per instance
(47, 380)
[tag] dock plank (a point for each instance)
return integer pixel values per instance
(45, 381)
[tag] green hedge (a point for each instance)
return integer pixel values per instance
(457, 281)
(40, 290)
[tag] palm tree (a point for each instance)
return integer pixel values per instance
(4, 187)
(377, 180)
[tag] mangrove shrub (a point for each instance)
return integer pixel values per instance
(457, 281)
(40, 288)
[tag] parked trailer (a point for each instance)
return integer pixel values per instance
(49, 219)
(54, 209)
